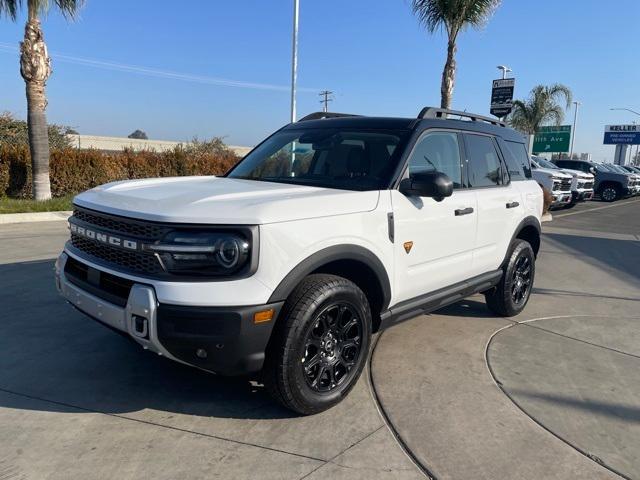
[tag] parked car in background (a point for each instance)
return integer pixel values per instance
(555, 181)
(581, 184)
(609, 184)
(631, 168)
(634, 183)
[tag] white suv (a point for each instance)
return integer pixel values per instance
(333, 228)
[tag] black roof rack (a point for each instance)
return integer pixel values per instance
(321, 115)
(435, 112)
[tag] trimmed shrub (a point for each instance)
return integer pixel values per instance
(73, 171)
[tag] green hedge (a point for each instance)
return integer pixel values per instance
(72, 171)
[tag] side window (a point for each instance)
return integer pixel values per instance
(440, 152)
(517, 160)
(484, 164)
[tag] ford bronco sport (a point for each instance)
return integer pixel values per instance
(333, 228)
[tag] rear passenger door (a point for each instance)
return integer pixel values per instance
(500, 206)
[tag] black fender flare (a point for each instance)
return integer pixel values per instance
(529, 221)
(329, 255)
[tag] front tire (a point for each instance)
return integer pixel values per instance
(320, 344)
(610, 193)
(511, 295)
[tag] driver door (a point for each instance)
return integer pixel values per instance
(434, 240)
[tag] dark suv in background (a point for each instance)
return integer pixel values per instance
(609, 185)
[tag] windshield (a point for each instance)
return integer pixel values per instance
(350, 159)
(546, 164)
(601, 167)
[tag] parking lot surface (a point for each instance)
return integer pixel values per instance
(553, 393)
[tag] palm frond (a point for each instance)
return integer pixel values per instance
(68, 8)
(10, 8)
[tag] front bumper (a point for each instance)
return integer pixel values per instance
(561, 198)
(581, 195)
(223, 340)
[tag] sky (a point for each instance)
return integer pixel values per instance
(222, 68)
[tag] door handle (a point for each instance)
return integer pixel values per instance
(513, 204)
(463, 211)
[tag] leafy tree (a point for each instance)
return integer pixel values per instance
(139, 134)
(16, 132)
(453, 16)
(546, 104)
(35, 68)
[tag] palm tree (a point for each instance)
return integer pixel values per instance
(454, 16)
(35, 68)
(546, 104)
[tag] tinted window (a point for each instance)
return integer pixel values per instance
(325, 157)
(438, 151)
(517, 161)
(484, 163)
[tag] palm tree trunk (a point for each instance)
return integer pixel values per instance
(448, 75)
(35, 68)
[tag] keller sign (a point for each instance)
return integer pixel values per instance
(622, 135)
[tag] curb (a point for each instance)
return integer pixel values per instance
(6, 218)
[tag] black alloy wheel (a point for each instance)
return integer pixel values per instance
(521, 282)
(332, 347)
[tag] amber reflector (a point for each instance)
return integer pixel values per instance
(263, 316)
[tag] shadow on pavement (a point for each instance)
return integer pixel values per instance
(623, 256)
(50, 351)
(613, 410)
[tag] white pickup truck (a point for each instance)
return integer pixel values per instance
(581, 182)
(334, 227)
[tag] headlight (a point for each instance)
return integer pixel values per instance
(202, 253)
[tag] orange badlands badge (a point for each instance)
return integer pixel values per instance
(407, 246)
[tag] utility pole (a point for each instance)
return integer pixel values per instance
(326, 94)
(575, 122)
(294, 60)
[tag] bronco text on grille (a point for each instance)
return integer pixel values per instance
(115, 241)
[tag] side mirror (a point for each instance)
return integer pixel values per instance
(592, 170)
(436, 185)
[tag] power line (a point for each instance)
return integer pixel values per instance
(327, 97)
(153, 72)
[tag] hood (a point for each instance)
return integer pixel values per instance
(578, 173)
(555, 173)
(212, 200)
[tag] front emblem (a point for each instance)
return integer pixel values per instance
(408, 246)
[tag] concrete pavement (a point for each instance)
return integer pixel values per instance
(78, 402)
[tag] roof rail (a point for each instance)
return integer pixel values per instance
(434, 112)
(321, 115)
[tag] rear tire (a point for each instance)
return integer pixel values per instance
(320, 344)
(511, 295)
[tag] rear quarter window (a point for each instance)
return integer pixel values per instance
(518, 163)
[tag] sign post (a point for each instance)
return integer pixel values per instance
(552, 139)
(502, 97)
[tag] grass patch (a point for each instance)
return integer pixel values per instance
(22, 205)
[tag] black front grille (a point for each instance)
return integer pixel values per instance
(565, 186)
(127, 227)
(588, 185)
(131, 261)
(136, 262)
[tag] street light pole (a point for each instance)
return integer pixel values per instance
(631, 148)
(504, 69)
(294, 60)
(575, 122)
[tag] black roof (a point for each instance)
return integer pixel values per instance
(395, 123)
